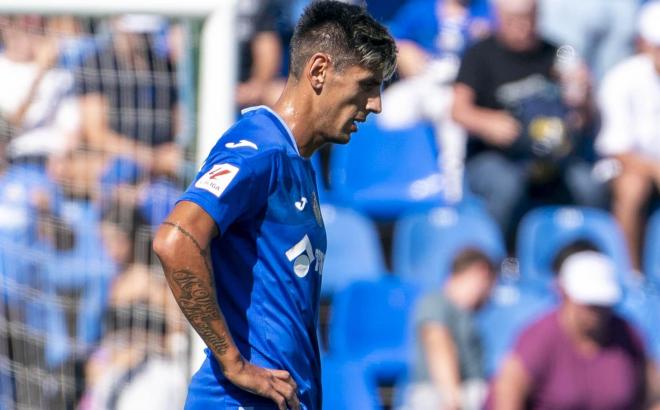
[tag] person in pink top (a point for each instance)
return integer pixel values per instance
(581, 355)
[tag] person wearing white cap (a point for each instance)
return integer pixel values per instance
(629, 100)
(581, 355)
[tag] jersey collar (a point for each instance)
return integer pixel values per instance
(278, 118)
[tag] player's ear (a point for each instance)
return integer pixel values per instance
(317, 71)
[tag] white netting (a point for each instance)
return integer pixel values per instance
(96, 137)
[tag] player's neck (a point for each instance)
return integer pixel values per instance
(297, 114)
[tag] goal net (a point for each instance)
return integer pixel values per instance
(105, 112)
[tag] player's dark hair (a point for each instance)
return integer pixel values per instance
(469, 257)
(577, 246)
(345, 32)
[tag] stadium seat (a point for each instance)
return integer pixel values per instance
(370, 332)
(425, 244)
(651, 258)
(385, 173)
(641, 306)
(345, 386)
(370, 323)
(511, 307)
(354, 251)
(544, 231)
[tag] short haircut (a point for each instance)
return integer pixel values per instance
(469, 257)
(345, 32)
(577, 246)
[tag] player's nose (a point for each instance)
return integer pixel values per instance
(374, 104)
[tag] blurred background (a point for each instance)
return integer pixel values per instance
(512, 129)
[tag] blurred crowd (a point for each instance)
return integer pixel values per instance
(91, 160)
(529, 102)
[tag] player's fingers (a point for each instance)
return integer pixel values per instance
(284, 376)
(278, 398)
(288, 392)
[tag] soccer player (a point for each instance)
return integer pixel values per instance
(243, 249)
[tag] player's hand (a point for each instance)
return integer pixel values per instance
(500, 129)
(277, 385)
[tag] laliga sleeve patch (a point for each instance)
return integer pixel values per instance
(217, 179)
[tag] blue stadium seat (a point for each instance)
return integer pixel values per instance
(544, 231)
(651, 258)
(641, 307)
(354, 250)
(345, 386)
(370, 332)
(385, 173)
(370, 322)
(425, 244)
(512, 306)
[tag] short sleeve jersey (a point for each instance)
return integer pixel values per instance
(267, 259)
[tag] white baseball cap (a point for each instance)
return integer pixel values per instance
(648, 24)
(588, 278)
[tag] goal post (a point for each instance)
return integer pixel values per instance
(217, 66)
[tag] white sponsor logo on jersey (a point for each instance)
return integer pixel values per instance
(241, 144)
(217, 179)
(302, 255)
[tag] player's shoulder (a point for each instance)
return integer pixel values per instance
(255, 139)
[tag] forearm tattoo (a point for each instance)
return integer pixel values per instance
(195, 297)
(198, 304)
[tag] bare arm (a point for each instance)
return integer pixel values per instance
(181, 244)
(442, 358)
(99, 135)
(266, 55)
(497, 127)
(46, 56)
(266, 61)
(639, 164)
(512, 385)
(411, 59)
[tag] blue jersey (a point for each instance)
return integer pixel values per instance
(267, 259)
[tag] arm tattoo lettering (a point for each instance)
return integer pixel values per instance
(198, 304)
(195, 297)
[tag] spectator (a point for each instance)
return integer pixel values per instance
(448, 367)
(431, 37)
(601, 31)
(581, 355)
(133, 366)
(128, 93)
(630, 101)
(260, 52)
(523, 131)
(37, 107)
